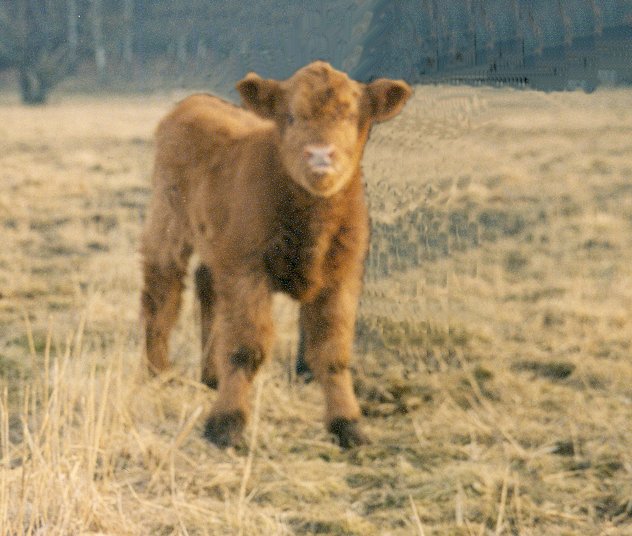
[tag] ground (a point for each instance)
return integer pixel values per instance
(493, 352)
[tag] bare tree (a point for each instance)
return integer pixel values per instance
(73, 33)
(96, 19)
(128, 35)
(567, 24)
(598, 16)
(33, 41)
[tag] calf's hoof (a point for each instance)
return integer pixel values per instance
(210, 381)
(348, 433)
(225, 429)
(303, 371)
(302, 368)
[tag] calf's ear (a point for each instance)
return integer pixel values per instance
(387, 97)
(259, 95)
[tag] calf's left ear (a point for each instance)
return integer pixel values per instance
(259, 95)
(387, 97)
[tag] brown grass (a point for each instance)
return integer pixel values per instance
(493, 350)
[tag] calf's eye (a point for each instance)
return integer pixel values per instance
(289, 119)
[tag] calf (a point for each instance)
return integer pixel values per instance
(271, 199)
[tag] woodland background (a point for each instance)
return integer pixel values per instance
(151, 44)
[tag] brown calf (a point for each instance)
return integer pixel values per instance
(271, 199)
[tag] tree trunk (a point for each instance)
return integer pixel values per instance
(96, 16)
(73, 34)
(32, 88)
(181, 55)
(128, 37)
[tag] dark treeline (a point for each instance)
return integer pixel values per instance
(551, 44)
(144, 44)
(150, 42)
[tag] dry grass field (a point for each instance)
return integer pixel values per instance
(494, 339)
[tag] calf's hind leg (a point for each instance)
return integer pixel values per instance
(206, 297)
(165, 258)
(302, 370)
(160, 303)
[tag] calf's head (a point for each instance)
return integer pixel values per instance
(323, 118)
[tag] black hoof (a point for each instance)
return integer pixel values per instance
(348, 433)
(302, 369)
(211, 382)
(225, 429)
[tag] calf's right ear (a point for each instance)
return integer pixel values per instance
(259, 95)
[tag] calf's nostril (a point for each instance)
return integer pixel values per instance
(319, 156)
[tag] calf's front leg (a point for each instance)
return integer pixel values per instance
(242, 339)
(327, 326)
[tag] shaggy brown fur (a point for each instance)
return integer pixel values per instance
(271, 199)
